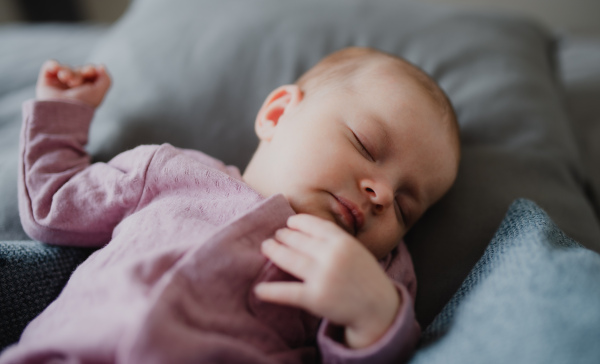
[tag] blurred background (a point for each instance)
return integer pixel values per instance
(579, 16)
(97, 11)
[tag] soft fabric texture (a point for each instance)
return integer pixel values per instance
(173, 282)
(32, 274)
(533, 297)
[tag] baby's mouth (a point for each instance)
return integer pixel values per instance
(350, 218)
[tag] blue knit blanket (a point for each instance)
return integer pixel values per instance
(533, 297)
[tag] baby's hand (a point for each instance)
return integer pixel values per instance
(86, 84)
(341, 279)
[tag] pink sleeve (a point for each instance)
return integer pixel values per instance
(400, 340)
(63, 199)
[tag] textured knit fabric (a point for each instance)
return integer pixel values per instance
(533, 297)
(180, 234)
(32, 274)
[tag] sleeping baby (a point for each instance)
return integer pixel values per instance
(300, 259)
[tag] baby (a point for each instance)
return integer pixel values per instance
(285, 263)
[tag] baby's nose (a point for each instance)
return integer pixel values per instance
(380, 196)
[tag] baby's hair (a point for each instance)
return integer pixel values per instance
(338, 69)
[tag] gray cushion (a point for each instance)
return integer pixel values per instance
(194, 73)
(532, 298)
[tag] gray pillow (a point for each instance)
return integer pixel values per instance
(579, 64)
(194, 73)
(533, 297)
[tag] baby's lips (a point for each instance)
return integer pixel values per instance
(344, 217)
(357, 215)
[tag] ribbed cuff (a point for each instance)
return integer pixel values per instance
(395, 346)
(59, 117)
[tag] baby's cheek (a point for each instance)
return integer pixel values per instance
(388, 239)
(310, 203)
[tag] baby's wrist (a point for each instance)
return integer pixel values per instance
(64, 99)
(370, 328)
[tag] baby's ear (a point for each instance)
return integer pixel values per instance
(279, 100)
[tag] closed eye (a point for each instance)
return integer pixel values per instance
(399, 212)
(364, 150)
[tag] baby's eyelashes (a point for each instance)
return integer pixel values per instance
(362, 148)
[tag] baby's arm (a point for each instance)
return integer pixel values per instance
(342, 282)
(62, 198)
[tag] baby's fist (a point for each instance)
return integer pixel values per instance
(86, 84)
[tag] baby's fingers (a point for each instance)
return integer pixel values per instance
(299, 241)
(289, 260)
(69, 77)
(49, 68)
(314, 226)
(47, 75)
(102, 77)
(283, 293)
(88, 72)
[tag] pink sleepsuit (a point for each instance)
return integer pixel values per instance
(180, 234)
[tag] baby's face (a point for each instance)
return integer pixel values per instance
(371, 159)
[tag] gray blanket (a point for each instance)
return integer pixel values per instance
(534, 297)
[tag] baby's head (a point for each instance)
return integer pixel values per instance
(363, 139)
